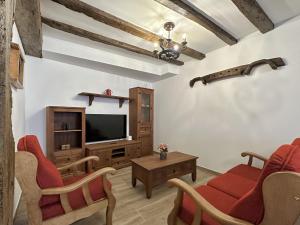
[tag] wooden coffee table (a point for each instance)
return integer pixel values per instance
(152, 171)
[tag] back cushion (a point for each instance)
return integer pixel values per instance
(47, 174)
(296, 142)
(250, 207)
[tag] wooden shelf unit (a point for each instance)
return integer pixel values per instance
(58, 118)
(93, 95)
(141, 117)
(116, 154)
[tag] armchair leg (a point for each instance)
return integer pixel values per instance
(172, 218)
(111, 202)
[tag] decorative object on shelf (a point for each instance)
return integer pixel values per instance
(65, 126)
(163, 148)
(238, 71)
(65, 147)
(93, 95)
(108, 92)
(169, 49)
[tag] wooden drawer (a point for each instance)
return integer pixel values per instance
(133, 151)
(120, 163)
(104, 159)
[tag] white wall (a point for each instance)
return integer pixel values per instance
(218, 121)
(18, 114)
(58, 84)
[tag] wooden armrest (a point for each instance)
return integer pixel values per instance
(73, 164)
(253, 155)
(203, 205)
(78, 184)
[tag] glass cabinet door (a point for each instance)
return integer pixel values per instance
(145, 108)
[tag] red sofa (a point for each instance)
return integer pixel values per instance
(238, 194)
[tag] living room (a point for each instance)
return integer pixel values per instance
(149, 112)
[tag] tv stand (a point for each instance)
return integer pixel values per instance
(116, 154)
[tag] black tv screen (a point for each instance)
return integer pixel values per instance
(104, 127)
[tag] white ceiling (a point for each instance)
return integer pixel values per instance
(151, 15)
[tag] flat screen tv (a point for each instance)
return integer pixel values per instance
(105, 127)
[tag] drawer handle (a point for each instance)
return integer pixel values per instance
(68, 159)
(297, 198)
(174, 171)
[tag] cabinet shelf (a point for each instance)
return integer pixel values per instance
(65, 131)
(93, 95)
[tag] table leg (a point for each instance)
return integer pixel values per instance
(148, 185)
(194, 173)
(133, 178)
(133, 181)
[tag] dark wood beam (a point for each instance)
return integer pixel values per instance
(120, 24)
(193, 14)
(7, 149)
(255, 14)
(102, 39)
(28, 21)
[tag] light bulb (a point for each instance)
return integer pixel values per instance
(176, 47)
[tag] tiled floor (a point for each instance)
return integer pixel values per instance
(133, 208)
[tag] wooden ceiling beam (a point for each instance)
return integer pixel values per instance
(255, 14)
(111, 20)
(102, 39)
(193, 14)
(28, 21)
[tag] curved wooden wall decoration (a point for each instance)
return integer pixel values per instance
(238, 71)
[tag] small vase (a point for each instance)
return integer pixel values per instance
(163, 155)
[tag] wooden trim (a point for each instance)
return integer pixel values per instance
(65, 202)
(255, 14)
(28, 21)
(78, 184)
(253, 155)
(172, 218)
(81, 161)
(191, 13)
(6, 137)
(102, 39)
(283, 188)
(205, 206)
(120, 24)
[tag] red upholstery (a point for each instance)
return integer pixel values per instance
(47, 174)
(250, 207)
(246, 171)
(232, 184)
(76, 198)
(218, 199)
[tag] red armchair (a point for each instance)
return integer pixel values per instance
(52, 200)
(244, 195)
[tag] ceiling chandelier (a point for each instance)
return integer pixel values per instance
(170, 50)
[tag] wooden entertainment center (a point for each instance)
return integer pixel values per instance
(66, 133)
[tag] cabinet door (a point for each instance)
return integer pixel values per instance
(145, 107)
(104, 159)
(147, 145)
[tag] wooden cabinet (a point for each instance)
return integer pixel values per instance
(66, 126)
(141, 117)
(116, 154)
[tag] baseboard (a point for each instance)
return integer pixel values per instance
(209, 170)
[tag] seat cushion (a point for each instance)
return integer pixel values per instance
(232, 184)
(76, 198)
(246, 171)
(47, 174)
(250, 207)
(217, 198)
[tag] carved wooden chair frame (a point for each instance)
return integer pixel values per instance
(285, 213)
(26, 170)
